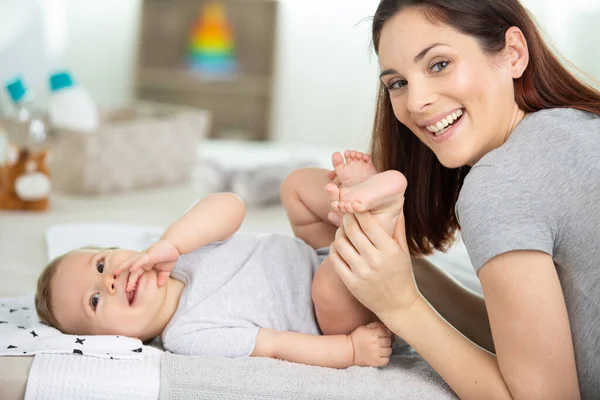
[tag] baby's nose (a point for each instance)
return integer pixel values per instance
(110, 283)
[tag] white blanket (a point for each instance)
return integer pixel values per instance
(22, 333)
(71, 377)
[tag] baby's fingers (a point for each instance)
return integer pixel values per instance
(133, 277)
(163, 277)
(385, 342)
(385, 352)
(143, 261)
(124, 266)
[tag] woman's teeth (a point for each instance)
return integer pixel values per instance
(444, 124)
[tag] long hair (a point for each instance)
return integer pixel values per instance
(433, 189)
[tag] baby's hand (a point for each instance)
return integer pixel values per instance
(372, 345)
(161, 256)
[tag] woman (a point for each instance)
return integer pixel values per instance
(495, 135)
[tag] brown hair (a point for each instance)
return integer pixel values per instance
(43, 295)
(433, 189)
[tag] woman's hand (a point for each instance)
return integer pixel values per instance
(375, 267)
(161, 256)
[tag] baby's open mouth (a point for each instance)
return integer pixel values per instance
(131, 294)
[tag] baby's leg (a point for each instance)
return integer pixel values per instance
(336, 309)
(307, 206)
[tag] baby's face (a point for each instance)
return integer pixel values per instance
(87, 298)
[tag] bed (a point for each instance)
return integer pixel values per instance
(23, 254)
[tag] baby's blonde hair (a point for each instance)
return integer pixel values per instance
(43, 295)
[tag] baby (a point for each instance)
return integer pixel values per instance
(209, 290)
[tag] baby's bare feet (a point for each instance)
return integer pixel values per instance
(372, 345)
(353, 168)
(382, 195)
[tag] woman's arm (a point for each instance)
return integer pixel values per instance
(457, 304)
(367, 346)
(535, 357)
(213, 218)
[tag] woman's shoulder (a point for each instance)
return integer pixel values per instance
(543, 141)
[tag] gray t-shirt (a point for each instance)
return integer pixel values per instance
(541, 191)
(234, 287)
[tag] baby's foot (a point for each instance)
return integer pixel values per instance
(356, 169)
(382, 194)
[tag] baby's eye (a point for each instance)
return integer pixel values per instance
(100, 266)
(94, 301)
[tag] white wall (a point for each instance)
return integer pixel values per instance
(102, 46)
(326, 73)
(96, 39)
(572, 29)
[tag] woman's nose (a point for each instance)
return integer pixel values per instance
(420, 96)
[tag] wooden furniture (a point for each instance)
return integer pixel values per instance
(240, 106)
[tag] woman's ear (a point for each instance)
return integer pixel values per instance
(517, 50)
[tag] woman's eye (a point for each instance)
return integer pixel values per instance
(100, 266)
(397, 84)
(94, 301)
(440, 66)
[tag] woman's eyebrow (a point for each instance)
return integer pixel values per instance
(424, 52)
(418, 57)
(389, 71)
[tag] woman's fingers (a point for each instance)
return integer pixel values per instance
(356, 236)
(351, 256)
(370, 226)
(341, 267)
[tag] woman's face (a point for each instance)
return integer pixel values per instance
(458, 100)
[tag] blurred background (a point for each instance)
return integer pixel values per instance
(304, 70)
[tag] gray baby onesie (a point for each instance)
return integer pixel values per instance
(541, 191)
(235, 287)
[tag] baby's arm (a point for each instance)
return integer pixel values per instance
(211, 219)
(367, 346)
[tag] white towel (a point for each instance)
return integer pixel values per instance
(69, 377)
(22, 333)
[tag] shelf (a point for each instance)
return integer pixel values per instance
(182, 80)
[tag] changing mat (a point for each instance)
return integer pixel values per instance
(407, 376)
